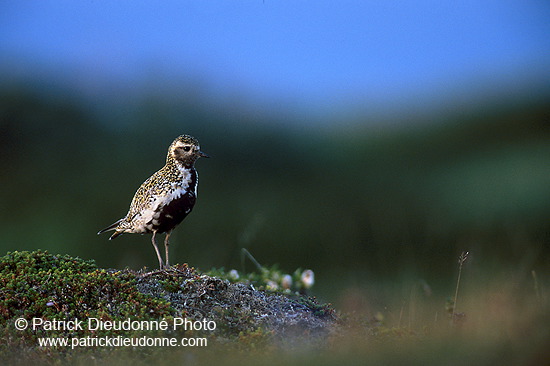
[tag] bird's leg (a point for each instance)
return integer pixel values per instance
(157, 249)
(166, 244)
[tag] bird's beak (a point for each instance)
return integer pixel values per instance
(203, 154)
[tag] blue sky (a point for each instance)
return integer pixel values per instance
(314, 54)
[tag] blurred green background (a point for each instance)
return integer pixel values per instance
(371, 142)
(356, 204)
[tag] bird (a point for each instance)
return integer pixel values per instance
(165, 198)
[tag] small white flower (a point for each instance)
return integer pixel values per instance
(308, 278)
(286, 282)
(271, 285)
(233, 274)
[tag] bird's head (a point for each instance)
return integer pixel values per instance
(185, 150)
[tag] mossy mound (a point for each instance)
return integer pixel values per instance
(39, 284)
(59, 287)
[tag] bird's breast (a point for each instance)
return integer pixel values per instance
(169, 209)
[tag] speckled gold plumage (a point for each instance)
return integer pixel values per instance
(165, 198)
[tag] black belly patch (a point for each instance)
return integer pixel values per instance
(173, 213)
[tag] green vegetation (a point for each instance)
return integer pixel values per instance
(55, 287)
(504, 322)
(38, 286)
(270, 279)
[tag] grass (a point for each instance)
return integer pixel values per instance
(50, 289)
(461, 260)
(502, 320)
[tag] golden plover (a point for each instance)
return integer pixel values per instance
(166, 198)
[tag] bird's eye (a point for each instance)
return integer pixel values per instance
(187, 148)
